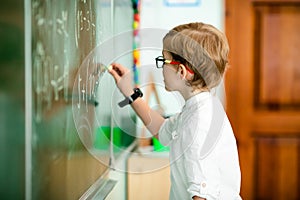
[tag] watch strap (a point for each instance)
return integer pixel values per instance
(124, 102)
(128, 100)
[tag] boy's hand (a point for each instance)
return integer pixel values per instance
(123, 78)
(197, 198)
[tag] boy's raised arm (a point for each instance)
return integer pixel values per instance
(152, 119)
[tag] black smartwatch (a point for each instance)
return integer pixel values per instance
(128, 100)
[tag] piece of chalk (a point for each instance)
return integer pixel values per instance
(109, 67)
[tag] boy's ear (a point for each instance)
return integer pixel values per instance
(184, 74)
(182, 71)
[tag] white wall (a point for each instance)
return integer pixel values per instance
(157, 14)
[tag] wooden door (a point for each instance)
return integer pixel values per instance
(263, 95)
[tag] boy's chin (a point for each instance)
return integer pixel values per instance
(168, 89)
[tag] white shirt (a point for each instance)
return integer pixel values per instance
(203, 153)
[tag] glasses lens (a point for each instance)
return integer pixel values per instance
(159, 61)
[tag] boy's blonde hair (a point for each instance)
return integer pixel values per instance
(201, 47)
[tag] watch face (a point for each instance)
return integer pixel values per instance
(138, 92)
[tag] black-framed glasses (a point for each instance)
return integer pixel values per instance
(160, 61)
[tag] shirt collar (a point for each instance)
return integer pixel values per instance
(196, 99)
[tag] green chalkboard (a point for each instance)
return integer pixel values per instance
(73, 119)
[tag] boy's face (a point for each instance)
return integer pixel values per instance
(171, 77)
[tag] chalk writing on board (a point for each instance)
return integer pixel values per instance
(85, 22)
(48, 80)
(87, 82)
(50, 72)
(61, 24)
(56, 36)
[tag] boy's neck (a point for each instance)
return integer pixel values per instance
(186, 94)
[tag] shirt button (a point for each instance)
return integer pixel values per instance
(203, 185)
(174, 135)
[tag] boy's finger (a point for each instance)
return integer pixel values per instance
(119, 69)
(115, 75)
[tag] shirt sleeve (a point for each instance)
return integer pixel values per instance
(167, 129)
(198, 183)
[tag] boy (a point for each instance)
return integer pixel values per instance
(203, 153)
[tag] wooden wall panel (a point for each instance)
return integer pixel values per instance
(148, 177)
(277, 56)
(263, 95)
(277, 167)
